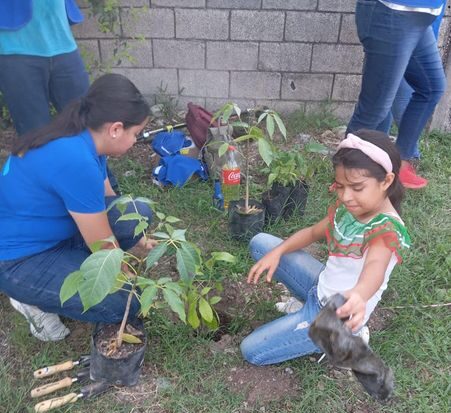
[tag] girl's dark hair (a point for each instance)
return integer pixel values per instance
(110, 98)
(355, 159)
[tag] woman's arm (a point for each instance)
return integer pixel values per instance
(370, 280)
(297, 241)
(94, 227)
(109, 191)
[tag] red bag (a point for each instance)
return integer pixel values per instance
(198, 120)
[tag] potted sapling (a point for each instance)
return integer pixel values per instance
(172, 277)
(247, 216)
(288, 176)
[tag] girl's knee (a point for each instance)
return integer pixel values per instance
(262, 243)
(247, 349)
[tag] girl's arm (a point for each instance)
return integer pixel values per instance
(297, 241)
(370, 280)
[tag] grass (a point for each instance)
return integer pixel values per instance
(414, 343)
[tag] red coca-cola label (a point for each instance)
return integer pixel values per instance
(231, 176)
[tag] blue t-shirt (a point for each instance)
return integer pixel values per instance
(47, 33)
(38, 189)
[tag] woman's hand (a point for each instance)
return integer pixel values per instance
(143, 246)
(267, 263)
(354, 308)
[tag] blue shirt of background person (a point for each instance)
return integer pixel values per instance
(68, 176)
(38, 28)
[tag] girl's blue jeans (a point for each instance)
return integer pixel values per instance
(397, 44)
(287, 337)
(37, 279)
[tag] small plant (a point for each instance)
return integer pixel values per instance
(288, 167)
(187, 290)
(260, 129)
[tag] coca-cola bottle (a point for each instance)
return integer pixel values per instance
(230, 178)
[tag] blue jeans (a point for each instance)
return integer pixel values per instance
(30, 83)
(397, 44)
(287, 337)
(37, 279)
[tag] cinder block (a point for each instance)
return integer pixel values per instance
(341, 110)
(255, 85)
(182, 101)
(202, 24)
(134, 3)
(282, 106)
(346, 87)
(181, 54)
(257, 25)
(178, 3)
(148, 81)
(348, 32)
(285, 57)
(445, 33)
(234, 4)
(337, 5)
(204, 83)
(213, 104)
(337, 58)
(232, 55)
(290, 4)
(312, 27)
(89, 49)
(139, 50)
(306, 86)
(157, 23)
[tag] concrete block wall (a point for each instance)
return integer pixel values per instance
(287, 54)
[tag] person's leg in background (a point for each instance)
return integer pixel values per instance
(426, 76)
(389, 38)
(24, 84)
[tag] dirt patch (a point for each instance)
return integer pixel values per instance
(262, 384)
(380, 319)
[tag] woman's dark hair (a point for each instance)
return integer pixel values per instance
(355, 159)
(110, 98)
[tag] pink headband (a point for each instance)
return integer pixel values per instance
(375, 153)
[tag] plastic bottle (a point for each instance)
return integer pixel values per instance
(218, 198)
(230, 178)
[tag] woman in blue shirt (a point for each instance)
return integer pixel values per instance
(54, 191)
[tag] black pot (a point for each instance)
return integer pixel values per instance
(297, 200)
(283, 201)
(244, 226)
(118, 371)
(275, 201)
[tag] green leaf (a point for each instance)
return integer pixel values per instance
(175, 303)
(161, 235)
(141, 227)
(243, 138)
(172, 220)
(174, 286)
(240, 124)
(98, 245)
(213, 324)
(121, 279)
(143, 282)
(164, 280)
(169, 229)
(70, 285)
(186, 265)
(155, 254)
(145, 200)
(270, 125)
(280, 124)
(193, 250)
(205, 310)
(262, 116)
(205, 290)
(215, 300)
(130, 217)
(265, 150)
(223, 256)
(131, 339)
(256, 133)
(316, 147)
(179, 235)
(193, 318)
(223, 149)
(237, 109)
(100, 271)
(147, 298)
(160, 216)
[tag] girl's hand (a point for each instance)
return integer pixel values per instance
(354, 307)
(267, 263)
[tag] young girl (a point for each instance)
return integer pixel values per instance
(364, 235)
(55, 191)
